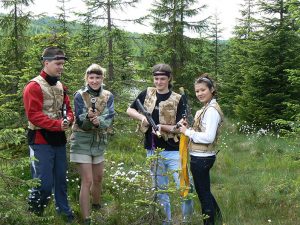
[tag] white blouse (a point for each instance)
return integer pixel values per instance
(210, 122)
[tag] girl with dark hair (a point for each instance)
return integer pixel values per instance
(202, 147)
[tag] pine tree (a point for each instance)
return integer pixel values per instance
(14, 45)
(292, 121)
(170, 20)
(236, 57)
(87, 33)
(266, 88)
(14, 26)
(247, 24)
(215, 34)
(62, 27)
(105, 8)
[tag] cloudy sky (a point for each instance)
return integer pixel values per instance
(227, 11)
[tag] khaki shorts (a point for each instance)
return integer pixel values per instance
(81, 158)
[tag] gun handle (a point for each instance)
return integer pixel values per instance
(158, 134)
(65, 121)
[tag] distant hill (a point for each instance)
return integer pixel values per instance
(47, 23)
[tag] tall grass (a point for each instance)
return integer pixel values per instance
(255, 180)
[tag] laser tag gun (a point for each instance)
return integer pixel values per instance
(187, 115)
(148, 117)
(93, 101)
(65, 120)
(64, 107)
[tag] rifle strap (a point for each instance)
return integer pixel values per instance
(153, 146)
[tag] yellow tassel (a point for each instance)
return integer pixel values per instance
(184, 175)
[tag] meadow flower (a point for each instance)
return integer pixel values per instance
(262, 131)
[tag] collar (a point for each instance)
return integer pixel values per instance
(95, 93)
(211, 102)
(50, 80)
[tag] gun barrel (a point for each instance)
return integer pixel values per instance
(65, 120)
(93, 101)
(187, 113)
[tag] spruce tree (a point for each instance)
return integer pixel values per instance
(14, 26)
(215, 35)
(266, 87)
(62, 24)
(171, 18)
(236, 57)
(105, 9)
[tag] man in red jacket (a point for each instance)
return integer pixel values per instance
(47, 107)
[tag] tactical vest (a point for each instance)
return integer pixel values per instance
(100, 104)
(197, 126)
(167, 110)
(53, 97)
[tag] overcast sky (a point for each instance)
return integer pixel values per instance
(227, 10)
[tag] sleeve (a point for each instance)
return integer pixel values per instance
(107, 115)
(141, 97)
(33, 104)
(81, 113)
(180, 110)
(211, 122)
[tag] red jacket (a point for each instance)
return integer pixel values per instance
(33, 104)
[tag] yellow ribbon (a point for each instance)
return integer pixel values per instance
(184, 175)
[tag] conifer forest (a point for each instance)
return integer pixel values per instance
(257, 71)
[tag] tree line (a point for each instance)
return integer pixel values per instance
(257, 70)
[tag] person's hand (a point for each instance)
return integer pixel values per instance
(95, 121)
(93, 117)
(92, 114)
(183, 128)
(157, 132)
(183, 122)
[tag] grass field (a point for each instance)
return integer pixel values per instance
(255, 180)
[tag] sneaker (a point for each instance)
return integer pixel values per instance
(38, 211)
(87, 221)
(70, 218)
(96, 206)
(185, 220)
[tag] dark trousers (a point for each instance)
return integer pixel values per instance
(200, 167)
(50, 166)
